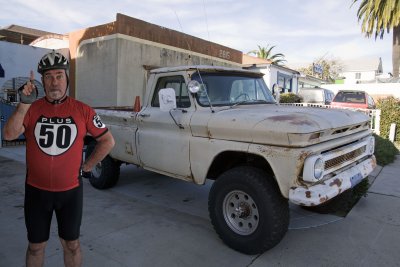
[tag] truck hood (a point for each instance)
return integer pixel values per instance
(282, 125)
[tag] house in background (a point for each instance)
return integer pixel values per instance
(361, 70)
(366, 75)
(20, 35)
(285, 78)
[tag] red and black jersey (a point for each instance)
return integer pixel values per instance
(54, 141)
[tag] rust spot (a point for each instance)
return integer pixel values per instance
(323, 199)
(336, 182)
(209, 133)
(262, 149)
(308, 194)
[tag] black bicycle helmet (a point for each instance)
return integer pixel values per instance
(51, 61)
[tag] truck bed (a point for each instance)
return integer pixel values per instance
(117, 108)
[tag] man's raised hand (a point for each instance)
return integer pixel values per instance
(28, 92)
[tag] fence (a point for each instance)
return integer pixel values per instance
(374, 114)
(6, 109)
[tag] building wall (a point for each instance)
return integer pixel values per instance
(350, 77)
(112, 70)
(17, 61)
(155, 34)
(271, 75)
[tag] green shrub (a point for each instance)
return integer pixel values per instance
(390, 113)
(289, 98)
(385, 151)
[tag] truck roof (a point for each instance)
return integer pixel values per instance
(205, 68)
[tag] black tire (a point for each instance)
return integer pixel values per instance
(247, 210)
(106, 173)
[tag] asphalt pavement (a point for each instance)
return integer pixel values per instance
(152, 220)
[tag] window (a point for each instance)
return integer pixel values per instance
(178, 84)
(358, 75)
(285, 82)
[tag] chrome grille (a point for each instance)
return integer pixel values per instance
(329, 164)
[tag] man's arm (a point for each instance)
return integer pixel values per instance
(104, 145)
(14, 126)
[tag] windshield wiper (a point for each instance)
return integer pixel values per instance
(257, 101)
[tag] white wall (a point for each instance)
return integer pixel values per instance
(18, 60)
(350, 77)
(271, 76)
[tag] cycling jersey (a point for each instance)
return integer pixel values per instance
(54, 140)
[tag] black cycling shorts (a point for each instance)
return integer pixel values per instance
(39, 207)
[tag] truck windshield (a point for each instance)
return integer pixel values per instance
(229, 90)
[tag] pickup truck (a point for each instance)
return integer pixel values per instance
(223, 124)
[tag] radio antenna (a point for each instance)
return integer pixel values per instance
(190, 49)
(180, 25)
(205, 15)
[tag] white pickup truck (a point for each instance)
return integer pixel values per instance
(222, 124)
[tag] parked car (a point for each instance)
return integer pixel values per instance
(316, 95)
(353, 99)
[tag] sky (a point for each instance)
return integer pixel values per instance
(302, 30)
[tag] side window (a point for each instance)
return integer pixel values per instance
(178, 84)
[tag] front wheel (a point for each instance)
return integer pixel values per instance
(106, 173)
(247, 210)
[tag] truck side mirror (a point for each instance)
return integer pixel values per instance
(277, 96)
(167, 99)
(276, 92)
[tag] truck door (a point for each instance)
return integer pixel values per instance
(163, 137)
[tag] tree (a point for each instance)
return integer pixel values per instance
(266, 53)
(378, 15)
(331, 67)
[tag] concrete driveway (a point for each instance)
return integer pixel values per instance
(152, 220)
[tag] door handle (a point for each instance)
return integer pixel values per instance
(144, 115)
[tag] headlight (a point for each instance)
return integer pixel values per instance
(371, 145)
(319, 166)
(194, 86)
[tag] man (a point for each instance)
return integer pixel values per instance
(55, 127)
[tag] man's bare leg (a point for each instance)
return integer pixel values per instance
(72, 253)
(35, 254)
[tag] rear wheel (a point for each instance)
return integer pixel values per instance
(247, 210)
(106, 173)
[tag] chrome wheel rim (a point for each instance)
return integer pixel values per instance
(240, 212)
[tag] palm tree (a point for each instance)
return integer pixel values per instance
(378, 15)
(265, 53)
